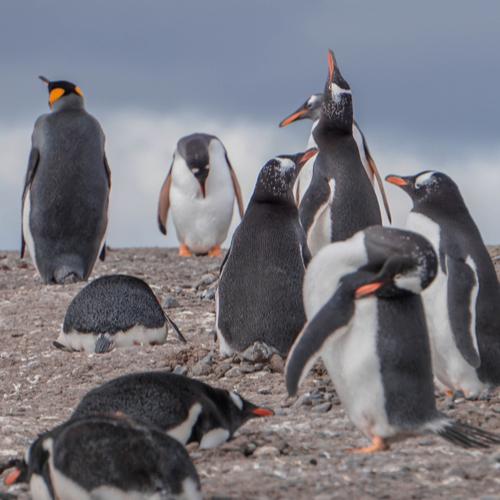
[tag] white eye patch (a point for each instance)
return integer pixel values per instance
(285, 164)
(236, 400)
(425, 178)
(337, 91)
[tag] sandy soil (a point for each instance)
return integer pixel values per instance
(300, 453)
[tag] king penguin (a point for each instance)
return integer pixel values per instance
(114, 311)
(201, 186)
(66, 190)
(340, 199)
(462, 304)
(106, 458)
(259, 295)
(366, 321)
(186, 409)
(311, 110)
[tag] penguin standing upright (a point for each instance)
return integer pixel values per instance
(311, 110)
(106, 458)
(186, 409)
(200, 187)
(66, 190)
(462, 303)
(340, 199)
(367, 322)
(259, 296)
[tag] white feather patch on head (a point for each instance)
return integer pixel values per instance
(285, 164)
(236, 400)
(410, 281)
(424, 179)
(337, 92)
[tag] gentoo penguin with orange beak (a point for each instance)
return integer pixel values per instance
(340, 199)
(311, 110)
(200, 188)
(366, 320)
(462, 304)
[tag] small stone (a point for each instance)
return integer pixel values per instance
(206, 280)
(257, 353)
(170, 302)
(265, 391)
(180, 370)
(323, 407)
(313, 461)
(234, 372)
(247, 368)
(496, 408)
(303, 400)
(208, 294)
(222, 369)
(201, 369)
(277, 364)
(266, 451)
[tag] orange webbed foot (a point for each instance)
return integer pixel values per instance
(378, 444)
(215, 251)
(184, 251)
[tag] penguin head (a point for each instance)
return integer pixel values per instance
(428, 187)
(310, 110)
(277, 177)
(337, 98)
(239, 410)
(18, 474)
(61, 91)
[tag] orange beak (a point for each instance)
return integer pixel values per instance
(12, 477)
(331, 66)
(262, 412)
(306, 156)
(368, 289)
(398, 181)
(297, 115)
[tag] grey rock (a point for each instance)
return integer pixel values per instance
(200, 369)
(180, 370)
(208, 294)
(258, 353)
(170, 302)
(234, 372)
(206, 280)
(266, 451)
(323, 407)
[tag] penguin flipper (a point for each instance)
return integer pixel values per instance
(33, 161)
(102, 255)
(164, 202)
(236, 188)
(108, 170)
(374, 169)
(332, 319)
(461, 282)
(465, 435)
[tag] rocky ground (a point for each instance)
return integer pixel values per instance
(299, 453)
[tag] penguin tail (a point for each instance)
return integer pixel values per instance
(464, 435)
(175, 328)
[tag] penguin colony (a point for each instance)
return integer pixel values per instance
(310, 272)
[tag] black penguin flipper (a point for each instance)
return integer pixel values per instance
(175, 328)
(466, 436)
(103, 344)
(332, 319)
(108, 170)
(461, 282)
(33, 161)
(102, 255)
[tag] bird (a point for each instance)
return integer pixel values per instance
(106, 457)
(340, 199)
(186, 409)
(366, 321)
(462, 303)
(311, 110)
(114, 311)
(200, 188)
(259, 293)
(66, 189)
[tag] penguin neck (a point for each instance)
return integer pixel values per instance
(261, 196)
(68, 102)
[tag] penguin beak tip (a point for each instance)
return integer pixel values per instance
(396, 180)
(262, 412)
(368, 289)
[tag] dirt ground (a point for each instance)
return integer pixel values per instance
(299, 453)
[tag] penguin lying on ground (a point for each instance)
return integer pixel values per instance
(462, 305)
(200, 187)
(66, 190)
(186, 409)
(367, 322)
(311, 110)
(259, 295)
(340, 199)
(114, 311)
(106, 458)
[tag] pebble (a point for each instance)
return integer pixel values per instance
(304, 400)
(206, 279)
(323, 407)
(264, 391)
(208, 294)
(269, 451)
(234, 372)
(222, 369)
(200, 369)
(257, 353)
(277, 364)
(170, 302)
(180, 370)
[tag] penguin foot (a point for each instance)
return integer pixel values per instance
(184, 251)
(378, 444)
(215, 251)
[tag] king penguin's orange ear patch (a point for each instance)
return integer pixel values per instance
(55, 95)
(78, 90)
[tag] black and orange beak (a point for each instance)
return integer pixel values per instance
(306, 155)
(331, 65)
(299, 114)
(397, 180)
(368, 289)
(262, 412)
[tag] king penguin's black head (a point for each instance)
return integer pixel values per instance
(277, 177)
(60, 89)
(337, 98)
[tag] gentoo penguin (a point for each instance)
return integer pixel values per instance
(366, 321)
(114, 311)
(259, 295)
(200, 188)
(462, 304)
(107, 457)
(66, 190)
(311, 110)
(340, 199)
(186, 409)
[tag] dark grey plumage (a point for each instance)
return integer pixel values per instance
(66, 190)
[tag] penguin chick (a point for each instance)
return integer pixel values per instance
(186, 409)
(200, 187)
(259, 295)
(107, 457)
(366, 321)
(114, 311)
(311, 110)
(66, 189)
(462, 303)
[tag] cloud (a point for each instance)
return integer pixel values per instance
(140, 146)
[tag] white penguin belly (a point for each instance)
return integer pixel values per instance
(28, 237)
(354, 367)
(449, 366)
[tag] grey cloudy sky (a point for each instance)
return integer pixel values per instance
(425, 77)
